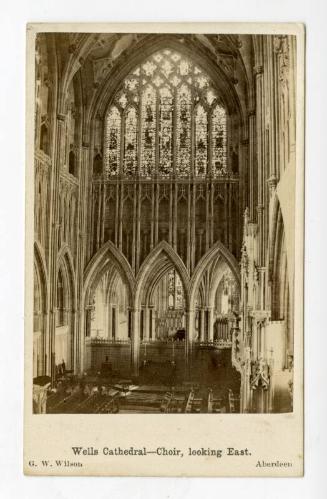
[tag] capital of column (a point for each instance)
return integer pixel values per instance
(272, 183)
(61, 117)
(258, 70)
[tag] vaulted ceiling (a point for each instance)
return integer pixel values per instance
(95, 62)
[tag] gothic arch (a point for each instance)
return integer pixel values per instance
(278, 272)
(65, 327)
(218, 250)
(218, 273)
(107, 255)
(150, 290)
(66, 263)
(39, 260)
(153, 265)
(132, 57)
(78, 53)
(40, 309)
(276, 221)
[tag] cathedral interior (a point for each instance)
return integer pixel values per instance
(164, 223)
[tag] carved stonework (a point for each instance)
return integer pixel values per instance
(228, 63)
(256, 273)
(272, 183)
(281, 47)
(244, 260)
(260, 376)
(258, 70)
(101, 67)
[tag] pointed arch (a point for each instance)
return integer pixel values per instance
(276, 220)
(156, 261)
(148, 46)
(40, 273)
(40, 309)
(107, 255)
(66, 263)
(39, 259)
(277, 265)
(218, 250)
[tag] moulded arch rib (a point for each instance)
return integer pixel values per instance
(98, 265)
(65, 261)
(149, 270)
(217, 250)
(39, 262)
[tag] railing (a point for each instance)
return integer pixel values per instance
(106, 177)
(215, 343)
(168, 341)
(107, 341)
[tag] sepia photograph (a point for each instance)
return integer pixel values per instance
(165, 170)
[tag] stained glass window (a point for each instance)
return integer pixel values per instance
(201, 138)
(163, 108)
(219, 148)
(148, 131)
(112, 141)
(183, 130)
(165, 131)
(130, 145)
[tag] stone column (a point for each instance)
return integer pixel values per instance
(135, 342)
(246, 391)
(153, 324)
(260, 137)
(138, 227)
(116, 322)
(210, 323)
(189, 339)
(188, 229)
(134, 245)
(251, 164)
(54, 232)
(109, 330)
(146, 324)
(80, 333)
(202, 324)
(174, 221)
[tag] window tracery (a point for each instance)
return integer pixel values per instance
(164, 120)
